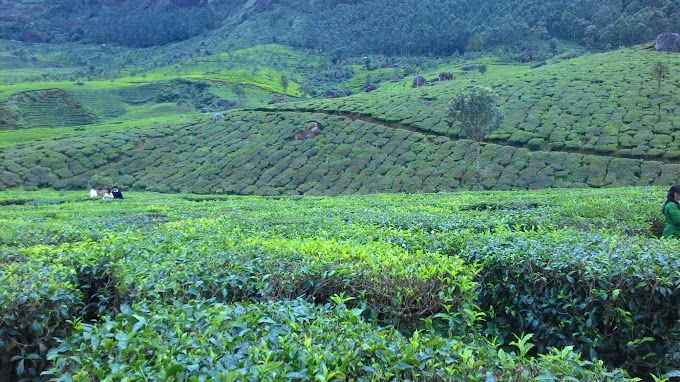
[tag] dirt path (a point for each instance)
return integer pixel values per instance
(502, 142)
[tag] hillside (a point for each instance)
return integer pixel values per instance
(598, 120)
(597, 104)
(344, 27)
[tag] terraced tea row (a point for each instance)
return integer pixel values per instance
(597, 104)
(255, 153)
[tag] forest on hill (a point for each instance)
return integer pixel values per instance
(344, 27)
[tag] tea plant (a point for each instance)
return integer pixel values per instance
(543, 285)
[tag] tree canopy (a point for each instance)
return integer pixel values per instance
(346, 27)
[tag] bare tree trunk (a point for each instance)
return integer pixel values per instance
(478, 166)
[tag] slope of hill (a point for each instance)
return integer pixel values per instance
(347, 28)
(598, 104)
(255, 152)
(593, 121)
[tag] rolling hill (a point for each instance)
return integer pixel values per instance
(597, 120)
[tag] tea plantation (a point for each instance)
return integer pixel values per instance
(229, 260)
(254, 152)
(600, 104)
(492, 286)
(598, 120)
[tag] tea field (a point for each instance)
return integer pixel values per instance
(489, 286)
(254, 152)
(598, 104)
(597, 120)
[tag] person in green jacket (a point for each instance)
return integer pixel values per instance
(671, 210)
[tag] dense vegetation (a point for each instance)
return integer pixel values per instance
(421, 287)
(210, 284)
(599, 104)
(590, 121)
(255, 153)
(435, 27)
(347, 28)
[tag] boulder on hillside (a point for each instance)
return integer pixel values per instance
(667, 42)
(418, 81)
(313, 128)
(469, 68)
(331, 94)
(276, 100)
(445, 76)
(573, 54)
(371, 87)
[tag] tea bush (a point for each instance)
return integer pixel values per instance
(429, 286)
(614, 298)
(287, 340)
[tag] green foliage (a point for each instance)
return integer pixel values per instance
(149, 27)
(660, 70)
(475, 43)
(308, 285)
(588, 290)
(476, 114)
(284, 84)
(253, 153)
(405, 30)
(477, 117)
(285, 339)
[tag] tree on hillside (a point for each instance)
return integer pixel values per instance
(660, 71)
(182, 105)
(477, 115)
(475, 43)
(284, 85)
(240, 93)
(196, 93)
(61, 111)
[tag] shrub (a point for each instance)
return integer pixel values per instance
(611, 297)
(535, 143)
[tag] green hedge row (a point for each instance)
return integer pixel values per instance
(255, 153)
(614, 298)
(605, 104)
(294, 340)
(44, 288)
(394, 259)
(46, 108)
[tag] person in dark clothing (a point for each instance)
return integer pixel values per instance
(671, 211)
(116, 193)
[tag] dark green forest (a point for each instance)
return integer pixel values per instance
(345, 27)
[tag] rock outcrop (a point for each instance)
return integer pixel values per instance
(418, 81)
(667, 42)
(312, 130)
(445, 76)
